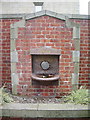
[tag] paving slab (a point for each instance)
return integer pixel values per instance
(19, 110)
(44, 110)
(20, 106)
(67, 106)
(63, 110)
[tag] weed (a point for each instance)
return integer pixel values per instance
(80, 96)
(4, 96)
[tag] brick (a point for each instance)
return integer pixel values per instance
(49, 44)
(40, 44)
(45, 32)
(40, 36)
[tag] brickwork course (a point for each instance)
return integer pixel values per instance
(22, 32)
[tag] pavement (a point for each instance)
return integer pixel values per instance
(49, 110)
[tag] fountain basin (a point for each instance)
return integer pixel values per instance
(42, 77)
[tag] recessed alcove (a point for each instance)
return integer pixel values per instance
(45, 64)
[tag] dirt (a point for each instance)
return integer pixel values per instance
(36, 99)
(24, 99)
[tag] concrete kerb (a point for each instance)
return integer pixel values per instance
(45, 110)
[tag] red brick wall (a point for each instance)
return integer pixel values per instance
(0, 54)
(84, 51)
(5, 44)
(45, 31)
(40, 32)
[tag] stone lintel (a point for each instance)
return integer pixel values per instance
(44, 51)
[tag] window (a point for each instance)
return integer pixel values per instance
(38, 6)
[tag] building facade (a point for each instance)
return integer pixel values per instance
(28, 6)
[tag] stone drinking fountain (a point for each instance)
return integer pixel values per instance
(45, 64)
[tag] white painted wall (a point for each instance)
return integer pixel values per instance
(27, 6)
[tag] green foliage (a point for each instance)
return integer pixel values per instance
(80, 96)
(4, 97)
